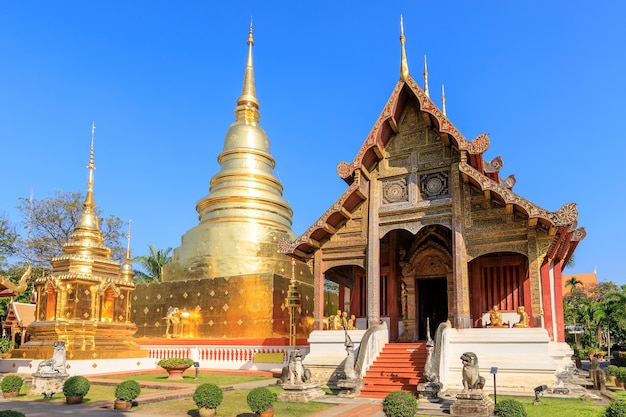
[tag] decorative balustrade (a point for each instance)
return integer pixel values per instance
(225, 357)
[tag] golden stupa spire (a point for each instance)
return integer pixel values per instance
(426, 77)
(89, 202)
(128, 244)
(248, 105)
(89, 218)
(404, 66)
(126, 271)
(443, 100)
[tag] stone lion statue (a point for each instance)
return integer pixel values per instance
(56, 364)
(471, 377)
(295, 373)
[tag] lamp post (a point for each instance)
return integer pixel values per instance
(292, 302)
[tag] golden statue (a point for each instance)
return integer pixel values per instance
(523, 317)
(335, 322)
(352, 322)
(495, 317)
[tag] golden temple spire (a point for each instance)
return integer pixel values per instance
(89, 218)
(404, 66)
(128, 244)
(248, 105)
(126, 270)
(89, 202)
(443, 100)
(426, 77)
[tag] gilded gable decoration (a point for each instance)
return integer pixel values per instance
(395, 191)
(434, 185)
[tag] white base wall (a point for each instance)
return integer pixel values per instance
(525, 357)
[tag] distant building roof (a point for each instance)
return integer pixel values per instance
(586, 279)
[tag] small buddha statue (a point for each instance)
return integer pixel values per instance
(523, 317)
(495, 317)
(352, 322)
(335, 324)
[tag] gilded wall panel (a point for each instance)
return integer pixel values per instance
(250, 306)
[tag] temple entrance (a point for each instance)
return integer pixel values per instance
(432, 302)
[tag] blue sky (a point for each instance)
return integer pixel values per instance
(160, 79)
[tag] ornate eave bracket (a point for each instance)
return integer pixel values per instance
(21, 284)
(565, 216)
(579, 234)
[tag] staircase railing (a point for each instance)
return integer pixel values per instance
(372, 343)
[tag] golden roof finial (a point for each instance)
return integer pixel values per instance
(89, 203)
(426, 77)
(443, 100)
(126, 270)
(128, 244)
(247, 104)
(89, 218)
(404, 66)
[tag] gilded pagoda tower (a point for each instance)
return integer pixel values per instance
(244, 215)
(227, 279)
(85, 300)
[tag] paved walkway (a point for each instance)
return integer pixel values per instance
(345, 407)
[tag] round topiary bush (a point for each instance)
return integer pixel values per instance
(260, 399)
(400, 404)
(11, 383)
(611, 370)
(175, 362)
(616, 409)
(127, 390)
(621, 374)
(11, 413)
(509, 408)
(76, 385)
(208, 396)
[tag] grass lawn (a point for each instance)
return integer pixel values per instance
(96, 393)
(217, 379)
(559, 407)
(233, 405)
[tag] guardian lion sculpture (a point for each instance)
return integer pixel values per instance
(56, 364)
(471, 377)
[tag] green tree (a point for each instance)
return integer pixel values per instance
(573, 283)
(152, 264)
(51, 221)
(8, 239)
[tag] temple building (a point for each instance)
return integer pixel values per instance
(85, 300)
(428, 229)
(227, 279)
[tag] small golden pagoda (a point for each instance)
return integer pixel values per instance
(85, 300)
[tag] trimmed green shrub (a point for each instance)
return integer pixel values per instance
(127, 390)
(6, 345)
(175, 362)
(610, 370)
(621, 374)
(11, 383)
(76, 385)
(400, 404)
(208, 396)
(509, 408)
(616, 409)
(260, 399)
(11, 413)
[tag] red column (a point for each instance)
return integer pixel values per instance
(546, 299)
(558, 308)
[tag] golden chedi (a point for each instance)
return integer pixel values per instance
(244, 215)
(85, 300)
(227, 279)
